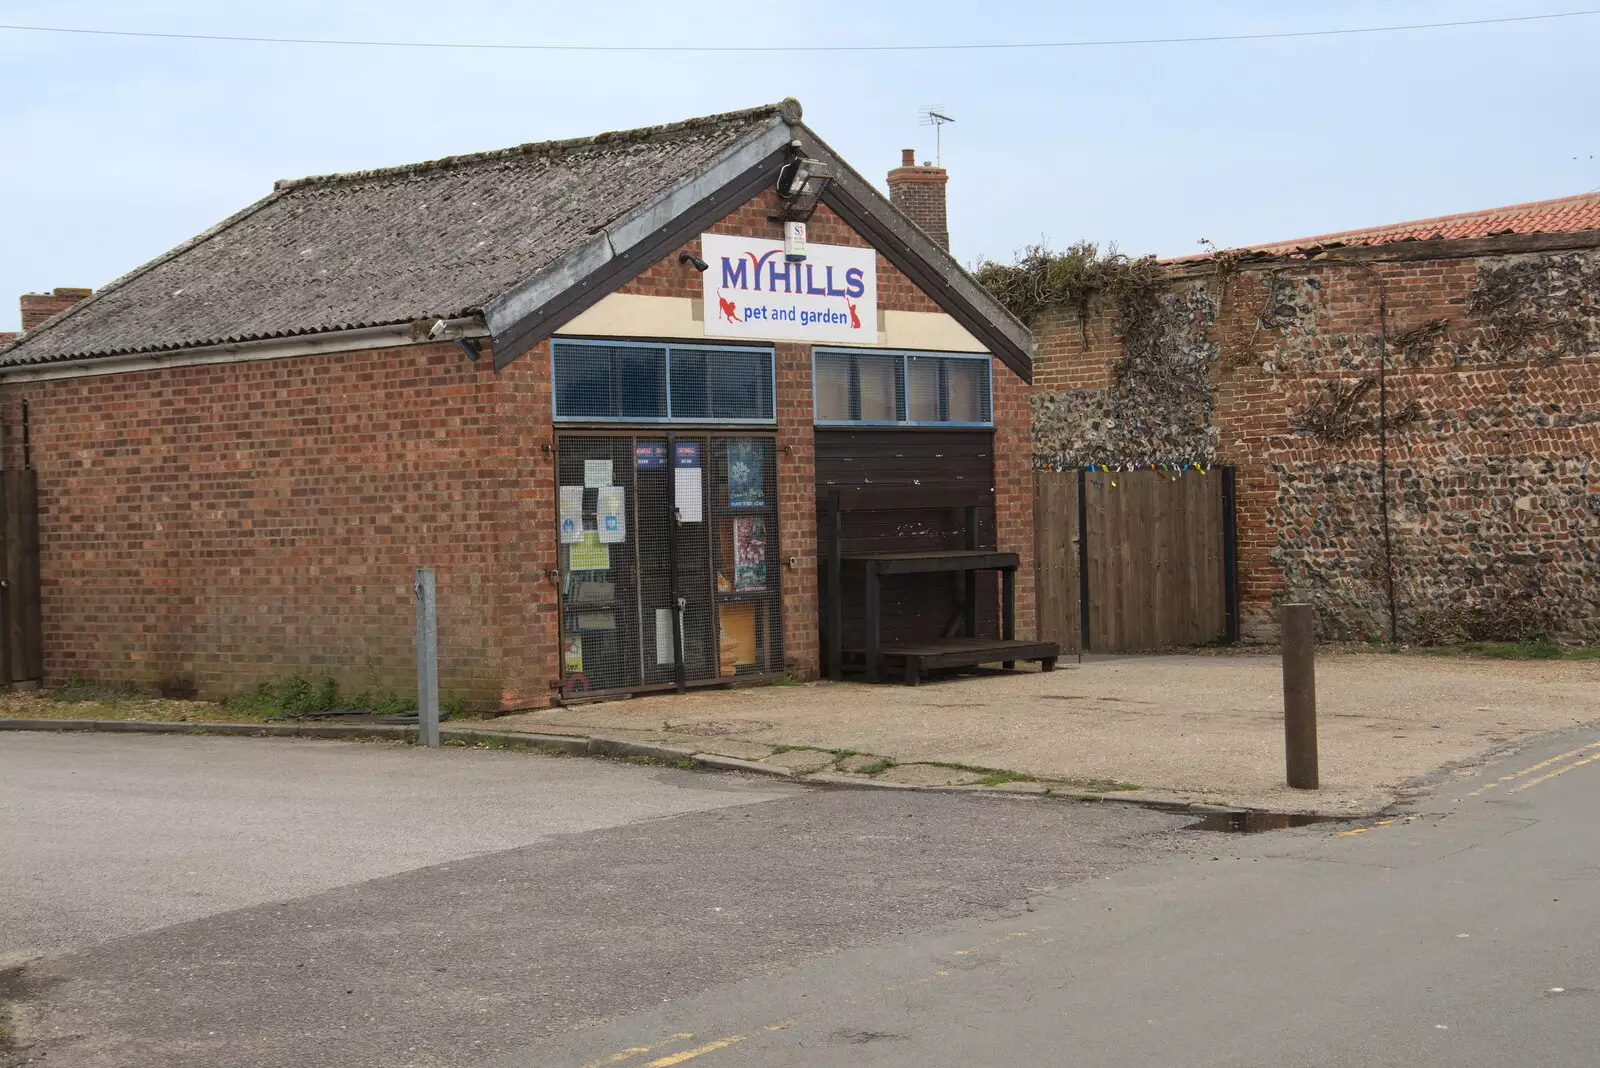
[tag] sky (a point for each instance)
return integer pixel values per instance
(116, 149)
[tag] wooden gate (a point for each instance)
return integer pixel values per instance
(22, 652)
(1155, 568)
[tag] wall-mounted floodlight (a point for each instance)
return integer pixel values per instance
(699, 264)
(800, 184)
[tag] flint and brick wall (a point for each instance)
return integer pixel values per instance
(1493, 400)
(204, 528)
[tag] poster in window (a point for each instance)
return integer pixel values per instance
(610, 516)
(749, 553)
(571, 514)
(745, 484)
(589, 554)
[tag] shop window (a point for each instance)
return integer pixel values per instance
(643, 383)
(901, 388)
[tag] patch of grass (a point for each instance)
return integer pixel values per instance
(1000, 777)
(684, 764)
(1537, 649)
(288, 695)
(454, 708)
(383, 703)
(798, 749)
(876, 769)
(787, 680)
(78, 689)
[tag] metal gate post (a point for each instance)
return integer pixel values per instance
(678, 600)
(427, 658)
(1083, 564)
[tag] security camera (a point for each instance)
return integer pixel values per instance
(436, 331)
(699, 264)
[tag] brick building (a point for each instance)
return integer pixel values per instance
(546, 372)
(1412, 411)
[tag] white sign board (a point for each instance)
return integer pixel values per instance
(752, 291)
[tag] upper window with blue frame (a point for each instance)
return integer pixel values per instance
(876, 388)
(639, 382)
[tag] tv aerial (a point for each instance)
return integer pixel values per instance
(934, 115)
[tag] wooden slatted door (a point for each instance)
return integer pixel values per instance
(1151, 567)
(22, 655)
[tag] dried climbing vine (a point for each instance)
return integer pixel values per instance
(1340, 413)
(1077, 278)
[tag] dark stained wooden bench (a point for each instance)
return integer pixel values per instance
(914, 659)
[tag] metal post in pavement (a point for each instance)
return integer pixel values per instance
(427, 659)
(1300, 695)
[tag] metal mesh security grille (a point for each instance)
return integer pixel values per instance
(903, 388)
(643, 383)
(669, 561)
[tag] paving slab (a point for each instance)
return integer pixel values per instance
(930, 775)
(1182, 727)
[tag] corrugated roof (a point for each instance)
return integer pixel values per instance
(1581, 212)
(388, 246)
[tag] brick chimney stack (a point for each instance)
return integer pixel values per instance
(37, 307)
(919, 193)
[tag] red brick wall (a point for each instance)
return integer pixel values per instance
(204, 528)
(1496, 484)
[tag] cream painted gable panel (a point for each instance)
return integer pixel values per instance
(623, 315)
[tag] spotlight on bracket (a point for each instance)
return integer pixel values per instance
(800, 184)
(699, 264)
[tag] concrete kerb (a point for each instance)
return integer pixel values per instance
(570, 745)
(595, 746)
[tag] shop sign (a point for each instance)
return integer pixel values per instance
(752, 291)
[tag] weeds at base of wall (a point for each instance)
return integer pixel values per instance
(281, 697)
(288, 696)
(77, 690)
(1539, 649)
(1520, 617)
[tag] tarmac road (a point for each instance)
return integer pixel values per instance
(651, 918)
(1467, 935)
(172, 900)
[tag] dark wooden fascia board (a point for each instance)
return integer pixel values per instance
(929, 266)
(630, 263)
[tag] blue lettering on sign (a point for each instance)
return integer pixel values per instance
(832, 292)
(811, 283)
(854, 284)
(774, 275)
(733, 277)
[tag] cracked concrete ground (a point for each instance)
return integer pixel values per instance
(1176, 727)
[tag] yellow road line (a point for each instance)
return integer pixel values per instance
(634, 1051)
(1558, 758)
(691, 1054)
(1558, 771)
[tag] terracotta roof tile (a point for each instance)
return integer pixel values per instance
(1581, 212)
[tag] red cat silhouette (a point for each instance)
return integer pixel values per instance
(855, 320)
(730, 311)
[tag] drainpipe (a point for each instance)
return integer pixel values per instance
(1383, 434)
